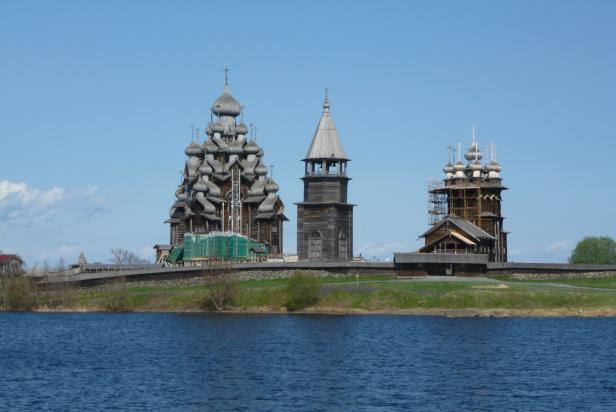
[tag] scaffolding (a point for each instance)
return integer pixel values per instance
(437, 202)
(235, 215)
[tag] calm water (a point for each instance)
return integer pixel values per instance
(228, 362)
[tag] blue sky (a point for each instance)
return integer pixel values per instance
(97, 100)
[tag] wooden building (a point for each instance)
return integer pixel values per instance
(440, 264)
(10, 263)
(324, 217)
(465, 208)
(225, 184)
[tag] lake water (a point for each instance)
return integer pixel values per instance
(278, 362)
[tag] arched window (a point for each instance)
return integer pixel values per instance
(314, 245)
(343, 250)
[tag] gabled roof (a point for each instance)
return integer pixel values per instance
(10, 258)
(466, 226)
(326, 143)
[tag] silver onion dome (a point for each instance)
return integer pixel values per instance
(493, 166)
(193, 163)
(216, 127)
(241, 128)
(459, 166)
(261, 169)
(473, 152)
(205, 169)
(475, 165)
(226, 105)
(200, 186)
(271, 186)
(251, 147)
(193, 149)
(448, 168)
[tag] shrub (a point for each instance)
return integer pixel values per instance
(17, 292)
(598, 250)
(222, 293)
(116, 299)
(302, 291)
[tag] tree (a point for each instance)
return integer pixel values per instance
(598, 250)
(125, 257)
(302, 291)
(222, 292)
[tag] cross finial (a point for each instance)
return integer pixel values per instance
(272, 171)
(192, 131)
(326, 101)
(473, 131)
(252, 125)
(242, 111)
(459, 151)
(450, 150)
(226, 70)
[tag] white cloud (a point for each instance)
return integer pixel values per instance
(383, 250)
(561, 246)
(24, 204)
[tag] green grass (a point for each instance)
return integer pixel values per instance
(602, 283)
(370, 293)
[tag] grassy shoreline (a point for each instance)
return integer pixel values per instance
(470, 297)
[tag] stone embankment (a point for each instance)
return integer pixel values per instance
(562, 276)
(239, 276)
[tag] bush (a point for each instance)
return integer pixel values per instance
(17, 292)
(598, 250)
(302, 291)
(222, 293)
(116, 299)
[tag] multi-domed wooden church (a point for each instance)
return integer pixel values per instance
(226, 189)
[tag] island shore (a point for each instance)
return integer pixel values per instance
(343, 295)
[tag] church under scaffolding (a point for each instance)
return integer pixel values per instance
(465, 208)
(225, 185)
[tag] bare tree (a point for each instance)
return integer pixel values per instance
(125, 257)
(222, 292)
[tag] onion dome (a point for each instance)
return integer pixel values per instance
(473, 152)
(193, 163)
(271, 186)
(226, 105)
(459, 166)
(216, 127)
(208, 129)
(205, 169)
(181, 196)
(260, 153)
(241, 128)
(251, 147)
(475, 165)
(448, 168)
(193, 149)
(493, 166)
(200, 186)
(261, 169)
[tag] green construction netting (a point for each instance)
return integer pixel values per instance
(218, 246)
(176, 255)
